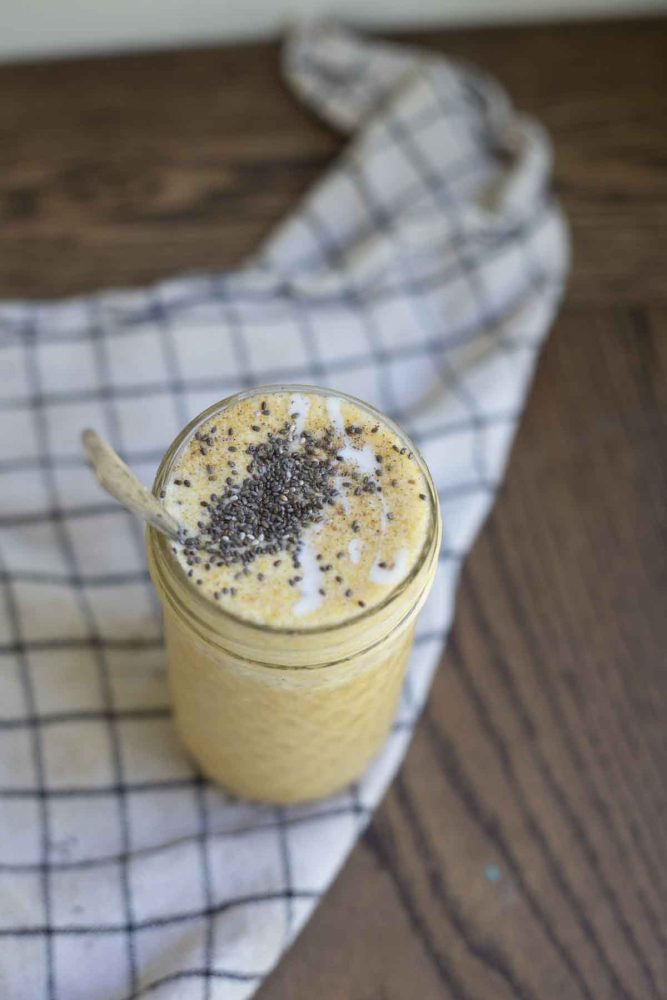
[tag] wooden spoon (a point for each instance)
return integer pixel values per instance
(114, 476)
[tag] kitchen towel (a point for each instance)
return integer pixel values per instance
(421, 274)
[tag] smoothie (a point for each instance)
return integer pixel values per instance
(311, 531)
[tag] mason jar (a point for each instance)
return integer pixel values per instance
(285, 715)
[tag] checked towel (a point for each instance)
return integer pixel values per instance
(421, 274)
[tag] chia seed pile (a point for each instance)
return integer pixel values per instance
(288, 485)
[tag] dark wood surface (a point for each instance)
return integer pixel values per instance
(521, 853)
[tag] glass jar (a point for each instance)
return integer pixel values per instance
(285, 715)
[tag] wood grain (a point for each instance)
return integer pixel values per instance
(522, 851)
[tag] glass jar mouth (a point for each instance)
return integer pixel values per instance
(172, 573)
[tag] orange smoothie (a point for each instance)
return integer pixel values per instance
(311, 534)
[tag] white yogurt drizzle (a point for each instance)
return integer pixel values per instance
(310, 599)
(391, 575)
(335, 416)
(300, 405)
(384, 510)
(354, 548)
(363, 458)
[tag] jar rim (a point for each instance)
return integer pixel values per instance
(160, 543)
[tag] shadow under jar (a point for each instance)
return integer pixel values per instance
(286, 714)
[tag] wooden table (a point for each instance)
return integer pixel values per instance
(521, 853)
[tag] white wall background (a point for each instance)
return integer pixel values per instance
(46, 28)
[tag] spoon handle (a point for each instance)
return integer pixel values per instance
(118, 480)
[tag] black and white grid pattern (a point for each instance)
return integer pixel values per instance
(422, 275)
